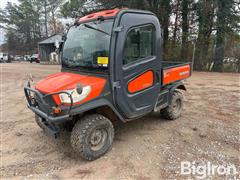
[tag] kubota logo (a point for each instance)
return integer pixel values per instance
(183, 73)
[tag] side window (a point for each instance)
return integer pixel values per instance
(139, 44)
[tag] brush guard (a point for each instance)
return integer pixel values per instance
(38, 104)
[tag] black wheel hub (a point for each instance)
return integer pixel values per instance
(177, 106)
(97, 139)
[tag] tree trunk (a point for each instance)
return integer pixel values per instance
(176, 23)
(164, 19)
(219, 52)
(54, 22)
(220, 44)
(238, 65)
(206, 14)
(165, 38)
(185, 28)
(45, 18)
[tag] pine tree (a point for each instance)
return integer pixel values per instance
(205, 12)
(227, 21)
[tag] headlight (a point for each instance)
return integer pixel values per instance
(75, 96)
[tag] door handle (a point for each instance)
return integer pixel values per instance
(116, 84)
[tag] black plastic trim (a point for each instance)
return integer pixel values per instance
(50, 118)
(96, 103)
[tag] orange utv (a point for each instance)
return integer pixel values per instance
(112, 69)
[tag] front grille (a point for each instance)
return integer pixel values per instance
(49, 100)
(49, 103)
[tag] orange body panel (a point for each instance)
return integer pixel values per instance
(176, 74)
(106, 13)
(67, 81)
(142, 82)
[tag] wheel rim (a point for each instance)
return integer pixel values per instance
(97, 139)
(177, 106)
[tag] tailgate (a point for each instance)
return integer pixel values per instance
(176, 73)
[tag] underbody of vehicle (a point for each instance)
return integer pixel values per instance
(112, 69)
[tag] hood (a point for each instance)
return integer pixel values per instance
(67, 81)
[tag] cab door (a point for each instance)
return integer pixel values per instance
(137, 64)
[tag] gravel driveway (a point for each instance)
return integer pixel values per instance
(148, 148)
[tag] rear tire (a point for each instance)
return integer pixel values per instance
(174, 109)
(92, 136)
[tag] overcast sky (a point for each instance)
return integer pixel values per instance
(4, 2)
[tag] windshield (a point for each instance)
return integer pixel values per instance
(87, 45)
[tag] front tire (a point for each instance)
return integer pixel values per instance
(174, 109)
(92, 136)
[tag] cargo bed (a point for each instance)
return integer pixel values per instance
(175, 71)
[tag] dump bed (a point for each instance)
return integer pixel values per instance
(175, 71)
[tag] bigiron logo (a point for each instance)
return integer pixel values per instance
(207, 169)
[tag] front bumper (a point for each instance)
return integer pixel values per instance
(47, 120)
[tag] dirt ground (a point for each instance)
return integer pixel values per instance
(148, 148)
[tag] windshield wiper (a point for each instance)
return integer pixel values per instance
(96, 29)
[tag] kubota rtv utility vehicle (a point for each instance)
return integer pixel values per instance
(111, 70)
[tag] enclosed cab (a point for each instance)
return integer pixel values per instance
(112, 69)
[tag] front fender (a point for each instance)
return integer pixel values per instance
(96, 103)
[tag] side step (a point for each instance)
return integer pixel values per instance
(162, 101)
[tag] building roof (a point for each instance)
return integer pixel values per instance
(52, 39)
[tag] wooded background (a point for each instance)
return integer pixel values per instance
(212, 25)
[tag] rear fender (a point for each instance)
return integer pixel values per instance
(177, 86)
